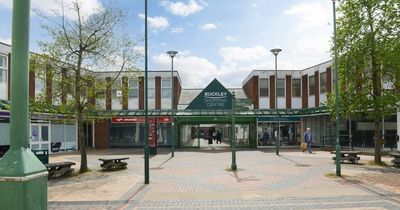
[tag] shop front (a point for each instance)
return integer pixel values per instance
(286, 129)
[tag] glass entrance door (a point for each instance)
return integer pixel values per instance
(39, 136)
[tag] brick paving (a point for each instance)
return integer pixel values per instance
(199, 179)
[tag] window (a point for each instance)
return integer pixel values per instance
(166, 88)
(116, 89)
(3, 68)
(133, 88)
(264, 87)
(151, 88)
(311, 85)
(280, 87)
(296, 87)
(322, 82)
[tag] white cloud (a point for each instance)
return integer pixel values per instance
(5, 40)
(49, 7)
(208, 26)
(233, 54)
(194, 71)
(311, 14)
(181, 9)
(177, 30)
(230, 38)
(313, 31)
(157, 22)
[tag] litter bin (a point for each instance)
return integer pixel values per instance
(42, 155)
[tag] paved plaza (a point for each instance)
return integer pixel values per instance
(200, 179)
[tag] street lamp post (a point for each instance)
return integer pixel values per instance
(338, 170)
(172, 55)
(233, 133)
(276, 52)
(23, 178)
(146, 106)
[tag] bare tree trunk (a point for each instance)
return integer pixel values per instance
(79, 116)
(377, 140)
(82, 142)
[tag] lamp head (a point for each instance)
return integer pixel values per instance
(276, 51)
(172, 53)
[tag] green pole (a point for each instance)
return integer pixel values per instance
(276, 52)
(172, 108)
(23, 178)
(233, 131)
(172, 55)
(338, 161)
(146, 106)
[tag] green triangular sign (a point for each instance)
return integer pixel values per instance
(214, 97)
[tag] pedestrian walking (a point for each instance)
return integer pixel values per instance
(308, 139)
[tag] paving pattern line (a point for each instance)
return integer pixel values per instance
(384, 196)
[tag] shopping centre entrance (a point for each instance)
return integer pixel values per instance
(213, 135)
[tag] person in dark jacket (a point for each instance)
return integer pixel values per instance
(308, 139)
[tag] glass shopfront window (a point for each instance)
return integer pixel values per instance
(126, 135)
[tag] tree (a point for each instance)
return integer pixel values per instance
(368, 44)
(78, 47)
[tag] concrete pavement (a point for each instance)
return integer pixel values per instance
(199, 179)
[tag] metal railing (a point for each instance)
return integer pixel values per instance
(344, 141)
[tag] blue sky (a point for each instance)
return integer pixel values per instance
(223, 39)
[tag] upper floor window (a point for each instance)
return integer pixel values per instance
(264, 87)
(133, 88)
(311, 85)
(116, 89)
(296, 87)
(280, 87)
(166, 88)
(151, 88)
(3, 68)
(322, 82)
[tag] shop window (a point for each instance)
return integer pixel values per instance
(322, 82)
(280, 88)
(264, 87)
(296, 87)
(311, 85)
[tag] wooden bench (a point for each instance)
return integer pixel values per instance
(396, 160)
(349, 156)
(59, 169)
(113, 163)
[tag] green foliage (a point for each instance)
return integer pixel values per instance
(368, 44)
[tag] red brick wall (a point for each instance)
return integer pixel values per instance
(304, 90)
(288, 91)
(329, 80)
(251, 91)
(32, 80)
(272, 91)
(177, 92)
(108, 94)
(101, 134)
(9, 76)
(49, 84)
(124, 93)
(141, 93)
(316, 88)
(158, 92)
